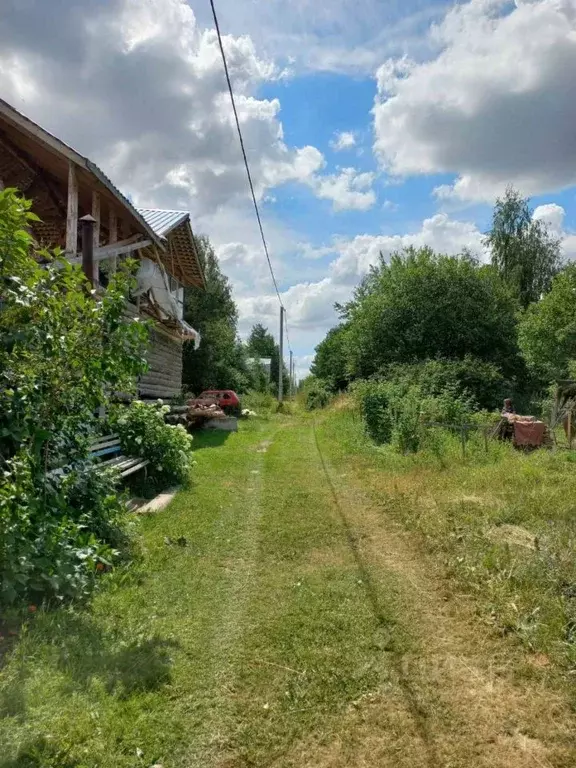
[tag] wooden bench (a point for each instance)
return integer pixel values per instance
(109, 445)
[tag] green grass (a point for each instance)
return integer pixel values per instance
(503, 522)
(240, 643)
(258, 641)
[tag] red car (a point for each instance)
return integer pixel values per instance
(226, 399)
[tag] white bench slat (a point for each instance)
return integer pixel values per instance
(104, 444)
(139, 465)
(126, 464)
(112, 462)
(118, 462)
(104, 439)
(108, 444)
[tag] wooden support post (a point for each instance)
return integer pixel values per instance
(72, 212)
(113, 238)
(570, 429)
(96, 233)
(88, 247)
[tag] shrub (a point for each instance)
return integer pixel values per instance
(316, 394)
(260, 402)
(395, 411)
(144, 433)
(449, 406)
(407, 429)
(420, 305)
(55, 540)
(373, 398)
(471, 377)
(62, 353)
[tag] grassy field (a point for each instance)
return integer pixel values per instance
(503, 522)
(329, 604)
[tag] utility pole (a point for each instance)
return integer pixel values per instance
(281, 361)
(291, 374)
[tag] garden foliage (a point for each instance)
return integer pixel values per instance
(396, 410)
(316, 394)
(144, 433)
(63, 353)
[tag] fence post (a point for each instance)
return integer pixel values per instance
(463, 438)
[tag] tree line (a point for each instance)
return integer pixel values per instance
(223, 360)
(508, 325)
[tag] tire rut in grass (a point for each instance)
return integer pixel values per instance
(459, 686)
(417, 713)
(226, 641)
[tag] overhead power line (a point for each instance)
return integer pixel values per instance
(246, 164)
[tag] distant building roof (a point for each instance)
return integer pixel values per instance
(261, 360)
(162, 222)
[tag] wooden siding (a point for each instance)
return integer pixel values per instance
(164, 376)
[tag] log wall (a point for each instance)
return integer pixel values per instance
(164, 376)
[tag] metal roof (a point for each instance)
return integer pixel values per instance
(162, 222)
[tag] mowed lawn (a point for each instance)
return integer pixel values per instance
(230, 646)
(287, 612)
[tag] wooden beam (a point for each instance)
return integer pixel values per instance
(96, 232)
(113, 237)
(124, 246)
(36, 170)
(72, 212)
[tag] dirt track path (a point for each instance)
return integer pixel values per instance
(456, 700)
(299, 627)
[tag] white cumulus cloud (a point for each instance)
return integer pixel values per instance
(495, 105)
(138, 86)
(343, 140)
(310, 304)
(348, 190)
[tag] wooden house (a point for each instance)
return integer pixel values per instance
(64, 187)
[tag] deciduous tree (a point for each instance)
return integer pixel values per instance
(547, 331)
(220, 361)
(523, 251)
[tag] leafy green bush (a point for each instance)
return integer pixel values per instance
(316, 393)
(260, 402)
(144, 433)
(396, 411)
(373, 398)
(449, 406)
(57, 537)
(406, 420)
(62, 353)
(420, 305)
(469, 377)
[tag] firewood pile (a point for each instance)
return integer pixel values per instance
(195, 413)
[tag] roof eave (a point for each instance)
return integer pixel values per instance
(56, 145)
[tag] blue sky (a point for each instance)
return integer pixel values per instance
(369, 125)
